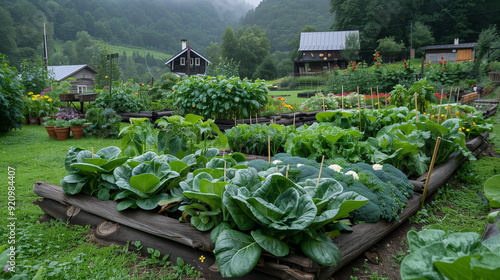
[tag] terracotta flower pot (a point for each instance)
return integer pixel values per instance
(62, 133)
(34, 120)
(77, 132)
(51, 131)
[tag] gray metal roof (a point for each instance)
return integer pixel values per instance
(323, 41)
(60, 73)
(451, 46)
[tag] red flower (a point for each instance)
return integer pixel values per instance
(442, 68)
(445, 62)
(378, 64)
(141, 84)
(374, 58)
(378, 54)
(406, 66)
(440, 62)
(403, 60)
(344, 71)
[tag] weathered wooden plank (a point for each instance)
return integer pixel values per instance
(149, 222)
(364, 236)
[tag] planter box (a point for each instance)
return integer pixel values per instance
(172, 237)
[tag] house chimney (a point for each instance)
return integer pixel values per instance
(456, 41)
(184, 43)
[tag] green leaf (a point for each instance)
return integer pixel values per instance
(321, 249)
(103, 194)
(486, 266)
(214, 234)
(109, 152)
(151, 203)
(144, 182)
(236, 253)
(270, 244)
(492, 191)
(88, 168)
(129, 203)
(95, 161)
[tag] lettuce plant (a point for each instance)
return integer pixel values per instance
(279, 213)
(435, 254)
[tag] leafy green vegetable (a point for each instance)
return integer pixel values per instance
(492, 191)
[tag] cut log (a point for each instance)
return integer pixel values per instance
(149, 222)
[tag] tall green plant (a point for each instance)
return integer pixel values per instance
(11, 98)
(220, 97)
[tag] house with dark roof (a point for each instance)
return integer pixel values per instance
(188, 62)
(83, 74)
(450, 52)
(321, 52)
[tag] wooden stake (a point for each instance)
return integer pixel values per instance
(277, 170)
(342, 96)
(451, 91)
(92, 152)
(371, 97)
(269, 147)
(235, 124)
(320, 169)
(458, 97)
(378, 99)
(359, 109)
(434, 155)
(287, 168)
(256, 119)
(294, 119)
(416, 108)
(441, 103)
(250, 119)
(224, 158)
(323, 100)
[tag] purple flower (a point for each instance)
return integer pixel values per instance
(41, 93)
(6, 268)
(272, 96)
(106, 87)
(91, 264)
(59, 117)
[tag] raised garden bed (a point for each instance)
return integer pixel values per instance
(170, 236)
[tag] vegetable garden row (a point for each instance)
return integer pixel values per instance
(327, 191)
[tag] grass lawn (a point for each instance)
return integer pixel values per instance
(63, 251)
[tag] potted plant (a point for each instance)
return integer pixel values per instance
(103, 122)
(62, 129)
(50, 124)
(76, 127)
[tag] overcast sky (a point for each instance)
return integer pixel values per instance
(253, 2)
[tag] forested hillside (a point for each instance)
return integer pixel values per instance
(284, 19)
(154, 24)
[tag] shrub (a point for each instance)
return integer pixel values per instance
(69, 114)
(102, 120)
(11, 99)
(219, 97)
(129, 97)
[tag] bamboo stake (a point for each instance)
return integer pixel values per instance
(287, 168)
(342, 97)
(434, 155)
(378, 99)
(320, 169)
(269, 147)
(256, 119)
(235, 124)
(92, 152)
(416, 108)
(449, 99)
(277, 170)
(441, 103)
(294, 119)
(359, 108)
(250, 119)
(458, 97)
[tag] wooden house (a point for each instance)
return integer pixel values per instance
(83, 74)
(321, 52)
(188, 62)
(452, 52)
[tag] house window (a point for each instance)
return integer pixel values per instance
(197, 61)
(191, 62)
(183, 61)
(82, 89)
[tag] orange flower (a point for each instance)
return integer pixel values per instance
(474, 123)
(136, 92)
(457, 112)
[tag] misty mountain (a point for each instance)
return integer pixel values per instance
(284, 19)
(154, 24)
